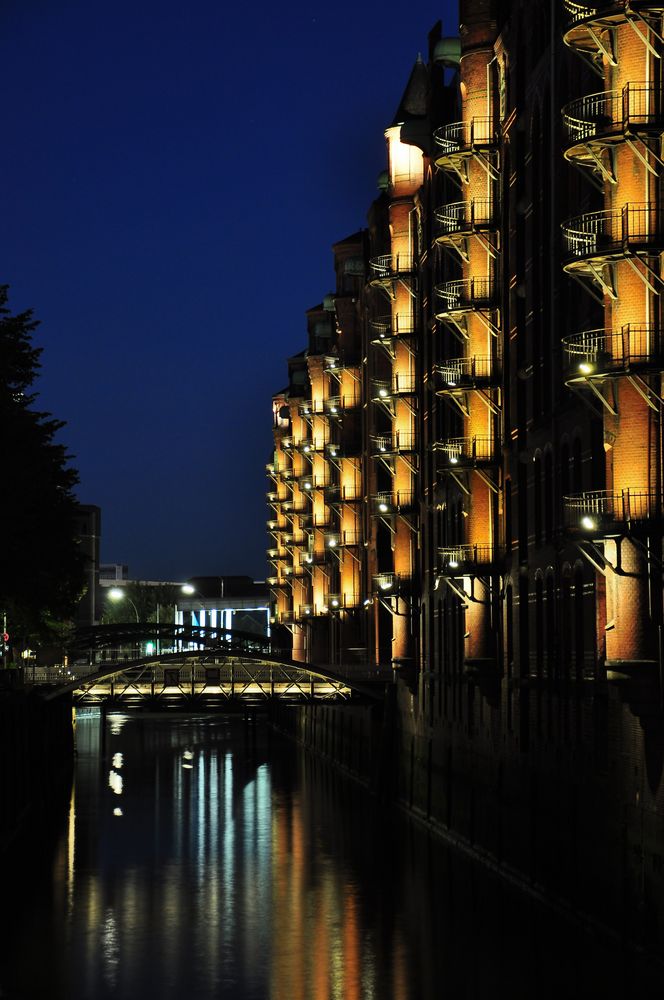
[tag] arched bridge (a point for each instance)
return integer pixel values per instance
(166, 666)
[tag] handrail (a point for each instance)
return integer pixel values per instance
(456, 370)
(480, 448)
(464, 137)
(636, 106)
(459, 216)
(459, 556)
(611, 505)
(465, 293)
(388, 264)
(611, 230)
(602, 350)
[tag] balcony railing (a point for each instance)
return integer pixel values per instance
(387, 327)
(460, 373)
(467, 451)
(401, 385)
(338, 363)
(387, 444)
(342, 602)
(464, 295)
(338, 404)
(600, 352)
(386, 584)
(309, 483)
(609, 233)
(576, 11)
(462, 217)
(465, 137)
(603, 511)
(384, 504)
(635, 108)
(309, 407)
(466, 560)
(390, 265)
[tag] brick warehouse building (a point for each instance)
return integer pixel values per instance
(466, 481)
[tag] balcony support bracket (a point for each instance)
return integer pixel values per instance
(488, 481)
(647, 275)
(652, 398)
(632, 17)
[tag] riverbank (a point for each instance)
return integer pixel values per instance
(36, 760)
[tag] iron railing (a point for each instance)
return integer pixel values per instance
(636, 107)
(385, 327)
(402, 383)
(459, 371)
(610, 232)
(597, 351)
(464, 137)
(600, 508)
(467, 450)
(465, 559)
(385, 444)
(392, 503)
(390, 265)
(464, 294)
(465, 216)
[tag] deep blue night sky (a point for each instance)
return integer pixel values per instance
(172, 180)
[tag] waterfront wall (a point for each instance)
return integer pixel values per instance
(36, 759)
(559, 790)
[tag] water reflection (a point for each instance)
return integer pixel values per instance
(238, 867)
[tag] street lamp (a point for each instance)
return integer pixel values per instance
(119, 594)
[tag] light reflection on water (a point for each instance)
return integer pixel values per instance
(238, 867)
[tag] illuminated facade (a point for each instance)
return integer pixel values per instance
(502, 328)
(468, 455)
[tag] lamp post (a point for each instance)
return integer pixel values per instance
(119, 594)
(116, 594)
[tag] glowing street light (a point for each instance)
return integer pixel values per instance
(120, 594)
(588, 523)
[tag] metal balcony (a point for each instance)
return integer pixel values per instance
(310, 407)
(387, 267)
(596, 354)
(587, 24)
(455, 298)
(341, 602)
(602, 237)
(460, 219)
(386, 504)
(336, 405)
(309, 483)
(309, 446)
(386, 329)
(455, 143)
(402, 442)
(387, 584)
(342, 539)
(466, 560)
(475, 372)
(303, 612)
(600, 120)
(335, 364)
(400, 385)
(466, 453)
(602, 513)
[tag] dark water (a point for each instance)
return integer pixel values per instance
(200, 858)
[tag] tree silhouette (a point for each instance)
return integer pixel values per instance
(41, 566)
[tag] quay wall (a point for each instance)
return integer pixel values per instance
(559, 790)
(36, 760)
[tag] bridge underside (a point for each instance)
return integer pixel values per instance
(205, 680)
(206, 683)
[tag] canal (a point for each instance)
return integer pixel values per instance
(199, 857)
